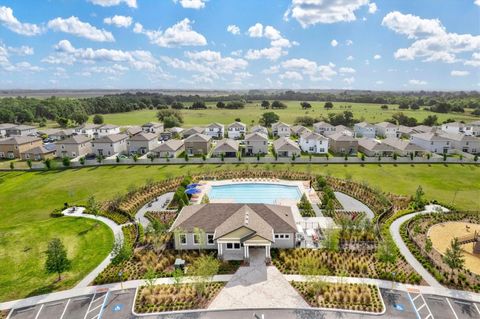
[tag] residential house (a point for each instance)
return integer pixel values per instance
(4, 127)
(176, 131)
(474, 129)
(341, 143)
(281, 129)
(324, 128)
(432, 142)
(153, 127)
(259, 129)
(373, 147)
(61, 134)
(21, 130)
(87, 129)
(106, 129)
(365, 129)
(232, 229)
(109, 145)
(313, 143)
(133, 130)
(14, 146)
(227, 147)
(387, 129)
(198, 144)
(142, 143)
(170, 149)
(404, 147)
(236, 130)
(424, 129)
(192, 131)
(256, 143)
(453, 128)
(340, 129)
(465, 143)
(285, 147)
(215, 130)
(38, 153)
(298, 130)
(406, 131)
(75, 146)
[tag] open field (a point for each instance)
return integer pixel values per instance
(27, 199)
(252, 112)
(442, 234)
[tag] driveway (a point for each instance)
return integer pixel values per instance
(350, 204)
(258, 286)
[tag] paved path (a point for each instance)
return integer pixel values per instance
(156, 206)
(353, 205)
(395, 232)
(258, 286)
(117, 232)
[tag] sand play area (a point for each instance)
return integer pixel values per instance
(442, 234)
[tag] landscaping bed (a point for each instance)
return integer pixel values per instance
(160, 298)
(164, 217)
(144, 259)
(117, 217)
(344, 263)
(414, 234)
(357, 297)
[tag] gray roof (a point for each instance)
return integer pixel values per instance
(237, 124)
(23, 127)
(364, 124)
(459, 137)
(19, 140)
(198, 138)
(373, 145)
(340, 136)
(256, 136)
(210, 216)
(169, 146)
(5, 126)
(143, 136)
(424, 129)
(175, 129)
(215, 124)
(386, 125)
(152, 124)
(132, 130)
(431, 137)
(75, 139)
(259, 128)
(299, 129)
(112, 138)
(39, 150)
(88, 126)
(285, 144)
(402, 145)
(313, 136)
(226, 145)
(322, 124)
(107, 127)
(193, 130)
(279, 124)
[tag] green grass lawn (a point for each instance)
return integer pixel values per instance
(253, 111)
(27, 198)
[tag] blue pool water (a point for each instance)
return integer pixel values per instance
(254, 193)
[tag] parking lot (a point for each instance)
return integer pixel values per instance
(118, 305)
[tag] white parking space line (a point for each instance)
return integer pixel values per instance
(476, 307)
(94, 313)
(39, 310)
(448, 301)
(424, 304)
(65, 309)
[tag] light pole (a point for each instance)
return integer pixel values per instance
(120, 275)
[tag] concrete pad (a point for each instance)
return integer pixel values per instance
(258, 286)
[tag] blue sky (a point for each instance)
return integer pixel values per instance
(248, 44)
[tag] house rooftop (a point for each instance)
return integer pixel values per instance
(112, 138)
(169, 146)
(256, 136)
(386, 125)
(197, 137)
(237, 124)
(226, 145)
(285, 144)
(341, 136)
(402, 145)
(19, 140)
(75, 139)
(143, 136)
(313, 136)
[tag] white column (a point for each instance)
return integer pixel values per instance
(219, 248)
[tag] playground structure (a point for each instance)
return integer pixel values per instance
(471, 238)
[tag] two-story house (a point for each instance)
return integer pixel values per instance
(110, 145)
(256, 143)
(313, 143)
(236, 130)
(281, 129)
(75, 146)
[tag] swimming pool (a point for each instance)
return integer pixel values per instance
(254, 193)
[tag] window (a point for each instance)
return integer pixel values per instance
(183, 239)
(233, 246)
(196, 239)
(210, 239)
(282, 236)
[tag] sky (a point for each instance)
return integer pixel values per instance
(240, 44)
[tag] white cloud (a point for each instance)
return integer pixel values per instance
(457, 73)
(180, 34)
(349, 80)
(67, 54)
(348, 42)
(191, 4)
(432, 41)
(417, 82)
(233, 29)
(23, 50)
(350, 58)
(291, 75)
(372, 7)
(109, 3)
(119, 21)
(379, 82)
(377, 57)
(477, 2)
(74, 26)
(334, 43)
(115, 69)
(347, 70)
(310, 68)
(475, 61)
(256, 31)
(271, 70)
(8, 20)
(310, 12)
(272, 53)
